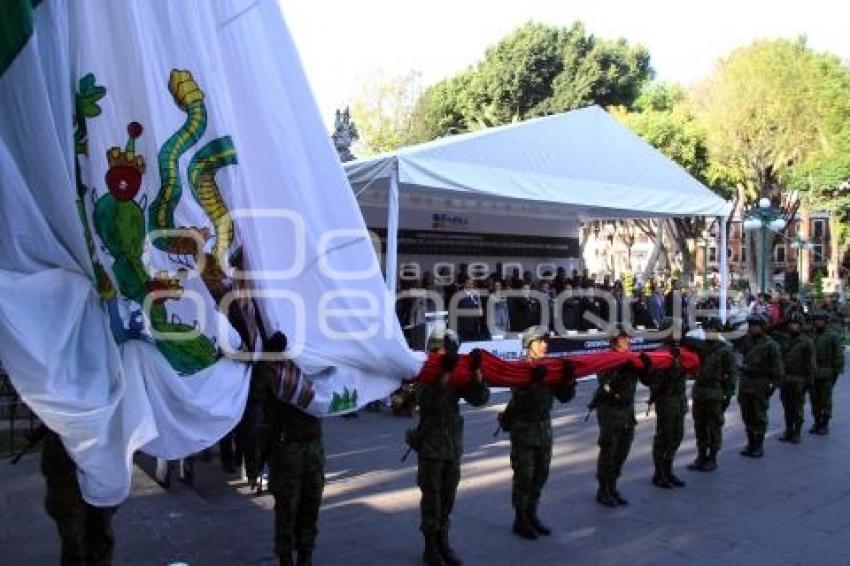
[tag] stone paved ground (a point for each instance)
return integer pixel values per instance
(792, 507)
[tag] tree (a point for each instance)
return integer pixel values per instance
(774, 110)
(383, 111)
(536, 70)
(765, 108)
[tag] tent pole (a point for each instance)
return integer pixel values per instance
(724, 267)
(391, 261)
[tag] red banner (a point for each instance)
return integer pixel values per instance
(516, 373)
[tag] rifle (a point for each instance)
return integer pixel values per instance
(594, 402)
(36, 436)
(406, 453)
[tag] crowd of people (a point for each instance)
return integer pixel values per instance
(485, 307)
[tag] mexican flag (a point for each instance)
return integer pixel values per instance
(168, 196)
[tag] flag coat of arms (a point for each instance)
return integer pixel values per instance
(168, 193)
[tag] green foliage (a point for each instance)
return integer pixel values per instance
(536, 70)
(382, 111)
(817, 286)
(768, 108)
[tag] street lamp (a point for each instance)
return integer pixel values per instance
(799, 244)
(768, 219)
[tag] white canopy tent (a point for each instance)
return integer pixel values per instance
(581, 165)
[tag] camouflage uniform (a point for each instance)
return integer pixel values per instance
(668, 393)
(713, 388)
(798, 359)
(296, 460)
(830, 362)
(615, 412)
(439, 446)
(761, 375)
(530, 410)
(85, 531)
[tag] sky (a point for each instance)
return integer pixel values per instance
(344, 45)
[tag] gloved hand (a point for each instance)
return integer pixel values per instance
(475, 360)
(646, 361)
(449, 361)
(538, 373)
(568, 371)
(277, 342)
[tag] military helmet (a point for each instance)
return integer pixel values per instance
(532, 334)
(794, 317)
(443, 338)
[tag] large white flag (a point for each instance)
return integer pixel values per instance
(147, 150)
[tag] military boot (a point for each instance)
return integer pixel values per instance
(305, 557)
(285, 558)
(699, 463)
(788, 434)
(615, 492)
(824, 429)
(522, 526)
(817, 425)
(431, 556)
(446, 553)
(748, 450)
(671, 477)
(604, 495)
(536, 523)
(659, 478)
(710, 463)
(758, 446)
(795, 433)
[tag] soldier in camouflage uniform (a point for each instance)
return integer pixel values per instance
(439, 444)
(85, 531)
(798, 359)
(668, 393)
(296, 460)
(830, 362)
(712, 392)
(762, 373)
(614, 402)
(528, 416)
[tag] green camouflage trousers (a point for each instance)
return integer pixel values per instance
(437, 480)
(754, 409)
(709, 419)
(296, 480)
(85, 531)
(616, 434)
(531, 471)
(793, 397)
(669, 432)
(821, 397)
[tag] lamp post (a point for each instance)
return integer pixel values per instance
(800, 244)
(706, 235)
(767, 219)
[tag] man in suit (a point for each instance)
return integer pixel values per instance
(656, 306)
(470, 313)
